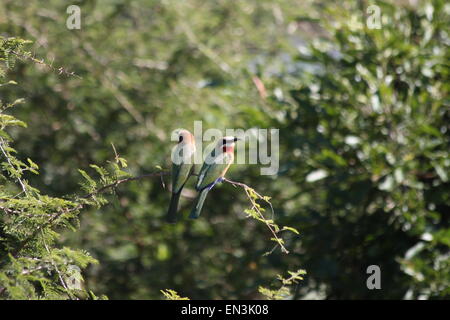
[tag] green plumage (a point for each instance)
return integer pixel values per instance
(208, 174)
(180, 174)
(195, 213)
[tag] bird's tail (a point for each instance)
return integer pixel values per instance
(195, 213)
(173, 207)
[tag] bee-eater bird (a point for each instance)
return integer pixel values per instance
(182, 163)
(213, 171)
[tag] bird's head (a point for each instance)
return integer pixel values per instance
(227, 143)
(185, 137)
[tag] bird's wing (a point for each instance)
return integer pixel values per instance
(180, 175)
(211, 172)
(205, 167)
(180, 172)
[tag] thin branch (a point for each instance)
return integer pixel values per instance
(274, 229)
(59, 70)
(117, 182)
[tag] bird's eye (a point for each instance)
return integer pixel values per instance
(180, 139)
(224, 141)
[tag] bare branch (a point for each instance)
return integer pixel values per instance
(59, 70)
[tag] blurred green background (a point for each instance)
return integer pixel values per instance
(364, 139)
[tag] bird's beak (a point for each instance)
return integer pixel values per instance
(236, 139)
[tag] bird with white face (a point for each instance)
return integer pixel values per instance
(213, 170)
(182, 164)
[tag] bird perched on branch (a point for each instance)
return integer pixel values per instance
(213, 170)
(182, 164)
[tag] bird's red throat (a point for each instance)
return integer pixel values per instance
(227, 149)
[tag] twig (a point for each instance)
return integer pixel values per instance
(117, 182)
(255, 207)
(59, 70)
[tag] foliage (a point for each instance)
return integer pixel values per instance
(284, 291)
(256, 212)
(10, 48)
(372, 125)
(32, 266)
(363, 117)
(172, 295)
